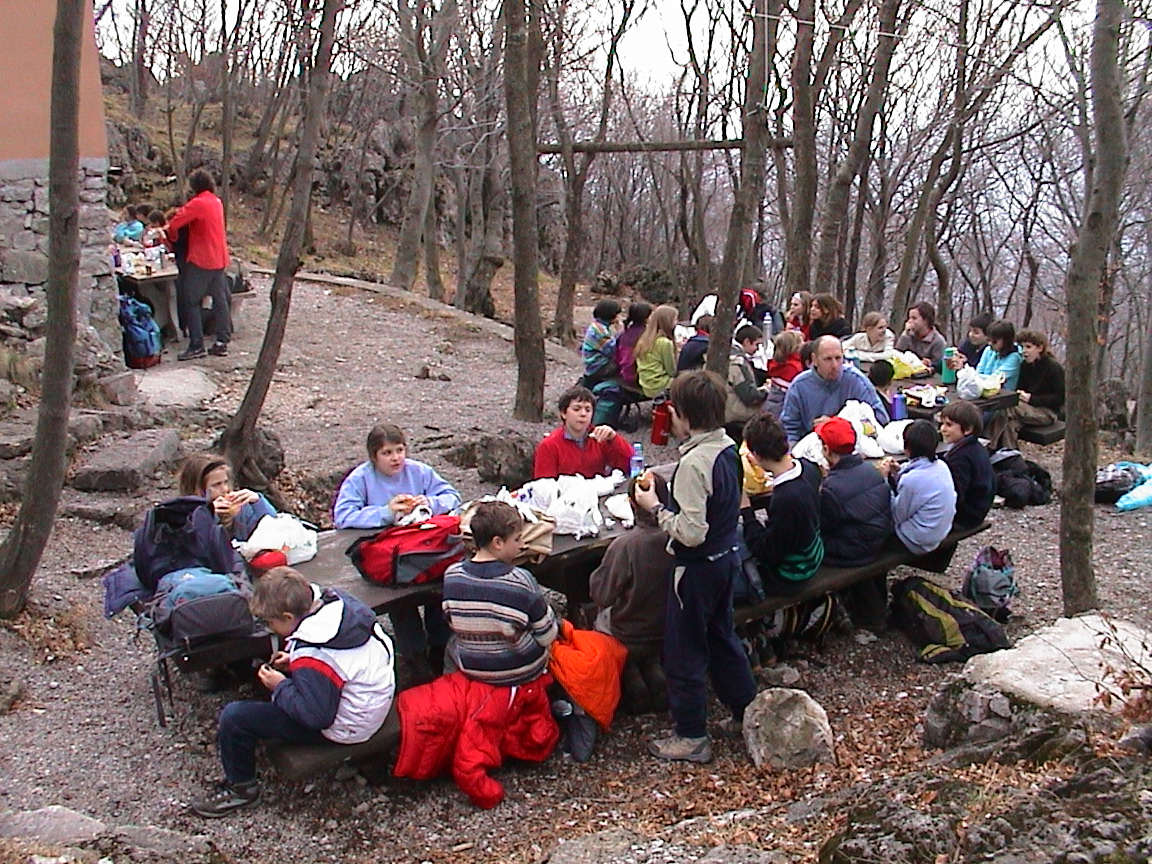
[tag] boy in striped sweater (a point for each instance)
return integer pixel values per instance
(502, 626)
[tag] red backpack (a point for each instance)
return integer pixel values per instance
(410, 554)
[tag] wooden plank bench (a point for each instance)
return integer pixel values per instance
(1043, 435)
(831, 579)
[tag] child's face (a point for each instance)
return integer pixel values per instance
(217, 482)
(577, 417)
(950, 430)
(796, 307)
(876, 332)
(282, 625)
(508, 549)
(977, 337)
(389, 459)
(815, 313)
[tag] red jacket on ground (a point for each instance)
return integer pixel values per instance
(207, 245)
(466, 727)
(557, 455)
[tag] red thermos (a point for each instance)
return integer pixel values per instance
(661, 420)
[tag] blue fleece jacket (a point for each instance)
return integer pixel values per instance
(362, 501)
(924, 504)
(811, 396)
(991, 363)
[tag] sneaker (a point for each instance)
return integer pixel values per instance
(228, 797)
(192, 354)
(678, 749)
(220, 349)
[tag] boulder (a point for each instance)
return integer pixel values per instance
(603, 846)
(126, 464)
(505, 459)
(53, 824)
(16, 438)
(118, 388)
(1045, 688)
(785, 728)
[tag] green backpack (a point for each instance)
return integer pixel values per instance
(944, 627)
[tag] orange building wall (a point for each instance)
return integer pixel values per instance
(26, 83)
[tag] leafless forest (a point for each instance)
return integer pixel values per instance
(911, 151)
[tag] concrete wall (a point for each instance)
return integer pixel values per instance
(26, 70)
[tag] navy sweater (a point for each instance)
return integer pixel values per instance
(974, 479)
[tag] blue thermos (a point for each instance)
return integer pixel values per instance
(899, 407)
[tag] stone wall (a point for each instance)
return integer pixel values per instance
(24, 269)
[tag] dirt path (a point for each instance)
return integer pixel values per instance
(85, 736)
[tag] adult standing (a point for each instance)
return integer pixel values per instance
(820, 392)
(921, 337)
(204, 271)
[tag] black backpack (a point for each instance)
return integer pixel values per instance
(1021, 482)
(944, 627)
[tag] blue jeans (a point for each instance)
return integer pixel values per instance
(700, 642)
(410, 630)
(243, 725)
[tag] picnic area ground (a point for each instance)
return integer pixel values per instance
(85, 735)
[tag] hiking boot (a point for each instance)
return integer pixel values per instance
(192, 354)
(220, 349)
(678, 749)
(228, 797)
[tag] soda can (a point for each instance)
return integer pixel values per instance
(899, 407)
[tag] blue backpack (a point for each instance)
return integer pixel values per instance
(142, 341)
(180, 534)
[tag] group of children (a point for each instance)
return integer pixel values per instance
(142, 224)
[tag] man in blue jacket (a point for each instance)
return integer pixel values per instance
(820, 392)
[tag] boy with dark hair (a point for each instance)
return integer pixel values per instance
(501, 622)
(788, 547)
(881, 375)
(700, 640)
(923, 497)
(387, 490)
(974, 343)
(598, 350)
(630, 590)
(334, 683)
(576, 447)
(744, 395)
(967, 459)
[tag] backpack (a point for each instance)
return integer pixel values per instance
(1021, 482)
(197, 607)
(991, 583)
(1115, 481)
(142, 342)
(181, 534)
(944, 627)
(409, 554)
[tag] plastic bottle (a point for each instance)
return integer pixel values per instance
(636, 463)
(947, 373)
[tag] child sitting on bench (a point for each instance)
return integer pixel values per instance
(923, 496)
(334, 683)
(967, 459)
(502, 625)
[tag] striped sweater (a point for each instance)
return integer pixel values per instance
(501, 623)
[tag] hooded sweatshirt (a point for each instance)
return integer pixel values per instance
(341, 675)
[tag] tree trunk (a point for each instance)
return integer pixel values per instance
(23, 547)
(1086, 269)
(140, 64)
(239, 439)
(798, 248)
(432, 256)
(746, 200)
(835, 213)
(1144, 388)
(520, 97)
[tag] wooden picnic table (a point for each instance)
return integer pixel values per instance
(1000, 402)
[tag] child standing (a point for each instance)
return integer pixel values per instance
(334, 683)
(501, 622)
(380, 493)
(700, 640)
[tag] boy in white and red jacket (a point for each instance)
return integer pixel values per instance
(335, 682)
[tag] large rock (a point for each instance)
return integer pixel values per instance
(785, 728)
(53, 824)
(126, 464)
(622, 846)
(505, 459)
(1048, 686)
(16, 439)
(175, 385)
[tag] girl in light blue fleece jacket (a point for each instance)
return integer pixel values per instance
(923, 496)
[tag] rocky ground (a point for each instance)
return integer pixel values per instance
(83, 732)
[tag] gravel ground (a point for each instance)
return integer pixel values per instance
(85, 735)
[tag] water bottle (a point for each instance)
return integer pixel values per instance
(947, 373)
(899, 407)
(766, 326)
(636, 463)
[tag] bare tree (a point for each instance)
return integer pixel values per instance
(24, 545)
(239, 438)
(1086, 269)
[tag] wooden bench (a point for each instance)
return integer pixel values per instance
(1043, 435)
(831, 579)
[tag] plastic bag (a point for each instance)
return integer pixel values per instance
(891, 437)
(283, 533)
(863, 420)
(1139, 497)
(576, 508)
(907, 365)
(967, 383)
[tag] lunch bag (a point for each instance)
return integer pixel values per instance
(409, 554)
(944, 627)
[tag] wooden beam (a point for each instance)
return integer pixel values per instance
(653, 146)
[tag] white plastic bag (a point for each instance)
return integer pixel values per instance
(863, 420)
(891, 437)
(810, 447)
(577, 508)
(967, 383)
(281, 533)
(621, 508)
